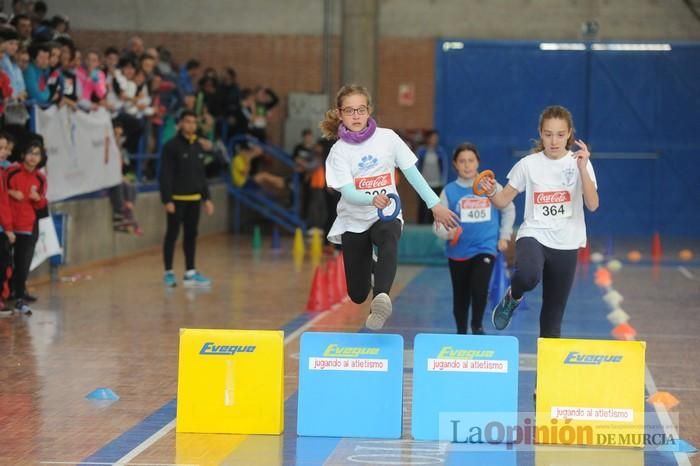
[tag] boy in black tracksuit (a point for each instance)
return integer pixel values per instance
(183, 188)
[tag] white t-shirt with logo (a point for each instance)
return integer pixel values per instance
(553, 200)
(370, 166)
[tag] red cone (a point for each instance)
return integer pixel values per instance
(340, 277)
(318, 298)
(584, 254)
(332, 284)
(656, 251)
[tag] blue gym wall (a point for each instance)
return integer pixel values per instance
(638, 111)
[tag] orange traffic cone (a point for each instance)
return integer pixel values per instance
(340, 277)
(584, 254)
(624, 332)
(602, 272)
(656, 250)
(332, 284)
(602, 277)
(318, 298)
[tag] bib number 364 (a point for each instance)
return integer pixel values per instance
(552, 204)
(553, 210)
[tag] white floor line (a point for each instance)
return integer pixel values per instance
(669, 429)
(686, 273)
(292, 336)
(144, 445)
(664, 417)
(168, 427)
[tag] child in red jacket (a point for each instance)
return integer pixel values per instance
(7, 236)
(27, 192)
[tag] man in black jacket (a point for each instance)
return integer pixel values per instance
(183, 188)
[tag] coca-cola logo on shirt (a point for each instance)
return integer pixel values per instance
(552, 197)
(474, 203)
(373, 182)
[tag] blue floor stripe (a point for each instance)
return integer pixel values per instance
(132, 438)
(294, 324)
(135, 436)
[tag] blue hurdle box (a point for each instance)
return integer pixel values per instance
(462, 381)
(350, 385)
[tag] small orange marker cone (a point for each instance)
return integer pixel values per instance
(624, 332)
(603, 277)
(602, 272)
(665, 398)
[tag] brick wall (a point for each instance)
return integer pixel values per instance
(406, 61)
(292, 63)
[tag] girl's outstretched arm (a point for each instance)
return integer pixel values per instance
(441, 214)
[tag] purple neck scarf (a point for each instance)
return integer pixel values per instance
(357, 137)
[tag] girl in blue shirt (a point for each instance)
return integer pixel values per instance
(471, 248)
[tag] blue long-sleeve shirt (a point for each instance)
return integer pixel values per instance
(35, 80)
(184, 81)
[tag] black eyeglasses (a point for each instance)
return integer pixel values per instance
(349, 111)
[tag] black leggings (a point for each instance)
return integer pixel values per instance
(556, 269)
(187, 213)
(23, 252)
(470, 283)
(5, 266)
(357, 255)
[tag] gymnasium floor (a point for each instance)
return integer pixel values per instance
(116, 326)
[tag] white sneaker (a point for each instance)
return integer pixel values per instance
(380, 310)
(22, 308)
(196, 280)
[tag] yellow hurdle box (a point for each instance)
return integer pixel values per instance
(590, 392)
(231, 381)
(548, 455)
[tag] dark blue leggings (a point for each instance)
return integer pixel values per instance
(357, 255)
(556, 269)
(470, 285)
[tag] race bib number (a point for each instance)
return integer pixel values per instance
(474, 210)
(552, 204)
(375, 185)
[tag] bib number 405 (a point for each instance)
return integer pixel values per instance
(476, 214)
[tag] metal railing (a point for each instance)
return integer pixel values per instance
(256, 199)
